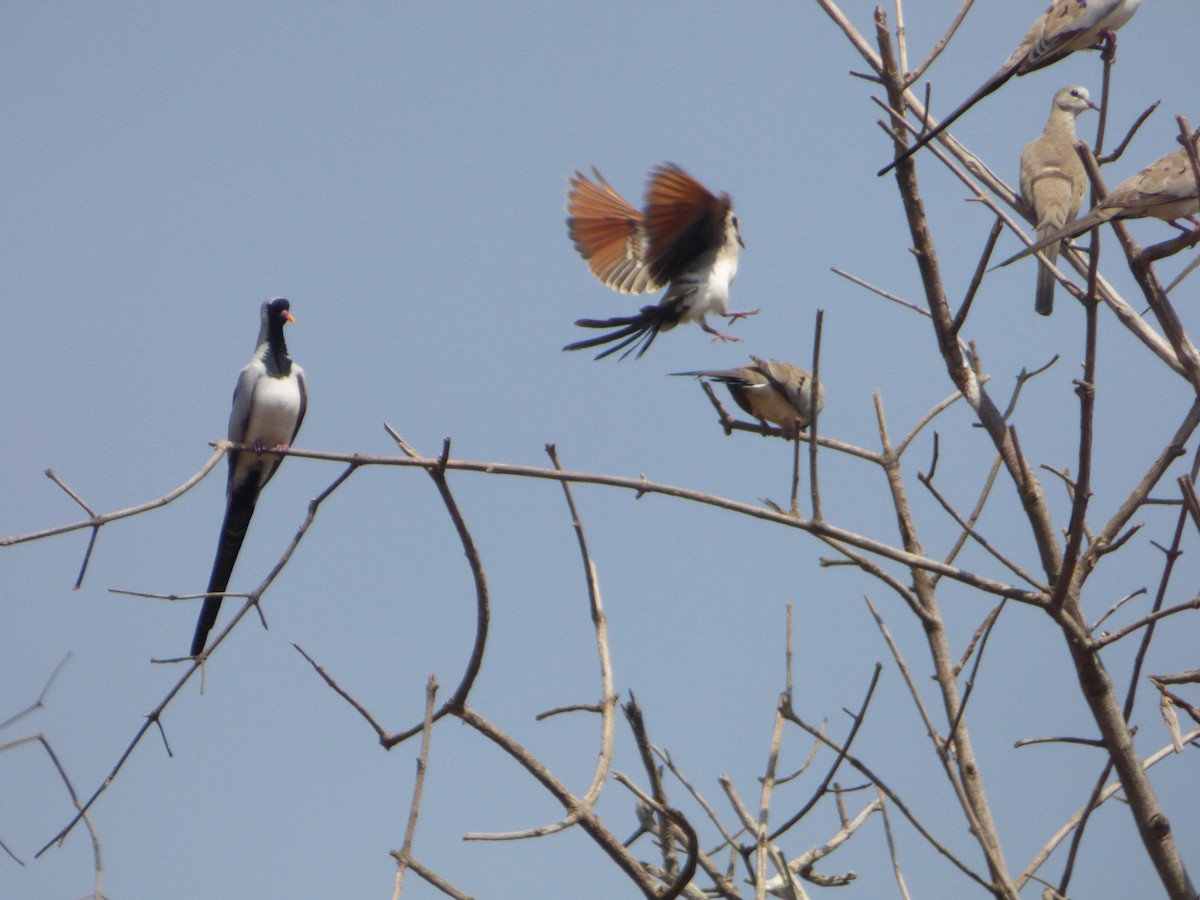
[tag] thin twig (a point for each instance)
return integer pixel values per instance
(938, 47)
(404, 855)
(41, 698)
(983, 542)
(637, 724)
(1116, 606)
(105, 518)
(988, 483)
(761, 841)
(977, 277)
(814, 392)
(894, 797)
(196, 663)
(587, 818)
(784, 709)
(1106, 794)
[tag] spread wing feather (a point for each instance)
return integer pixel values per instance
(684, 220)
(610, 234)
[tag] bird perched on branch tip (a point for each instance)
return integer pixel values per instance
(1066, 26)
(771, 391)
(1053, 180)
(268, 406)
(1165, 189)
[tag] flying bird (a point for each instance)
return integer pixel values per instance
(771, 391)
(1066, 26)
(1165, 189)
(1053, 180)
(687, 240)
(268, 407)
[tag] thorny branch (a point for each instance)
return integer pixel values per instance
(154, 717)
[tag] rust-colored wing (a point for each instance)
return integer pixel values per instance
(609, 233)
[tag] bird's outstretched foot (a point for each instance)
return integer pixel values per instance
(734, 316)
(721, 336)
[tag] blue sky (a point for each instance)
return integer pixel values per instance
(399, 171)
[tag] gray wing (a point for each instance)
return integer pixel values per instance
(298, 374)
(243, 399)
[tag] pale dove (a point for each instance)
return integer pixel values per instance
(1053, 180)
(771, 391)
(1067, 26)
(1165, 189)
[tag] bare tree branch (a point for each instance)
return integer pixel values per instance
(403, 856)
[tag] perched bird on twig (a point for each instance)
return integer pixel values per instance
(1053, 180)
(687, 239)
(1165, 189)
(771, 391)
(1066, 26)
(268, 407)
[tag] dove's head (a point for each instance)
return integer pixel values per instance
(1073, 99)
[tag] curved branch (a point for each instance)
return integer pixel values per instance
(608, 704)
(437, 472)
(588, 820)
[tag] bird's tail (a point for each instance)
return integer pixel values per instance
(723, 376)
(1097, 216)
(238, 512)
(1046, 282)
(635, 332)
(1006, 72)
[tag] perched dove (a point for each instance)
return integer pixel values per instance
(1165, 189)
(1053, 180)
(687, 240)
(771, 392)
(1067, 26)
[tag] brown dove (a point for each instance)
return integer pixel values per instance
(1165, 189)
(1053, 180)
(771, 391)
(1066, 26)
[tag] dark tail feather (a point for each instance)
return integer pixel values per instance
(988, 86)
(1046, 282)
(731, 377)
(638, 331)
(233, 531)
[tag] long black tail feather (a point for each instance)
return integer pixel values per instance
(238, 513)
(635, 332)
(986, 88)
